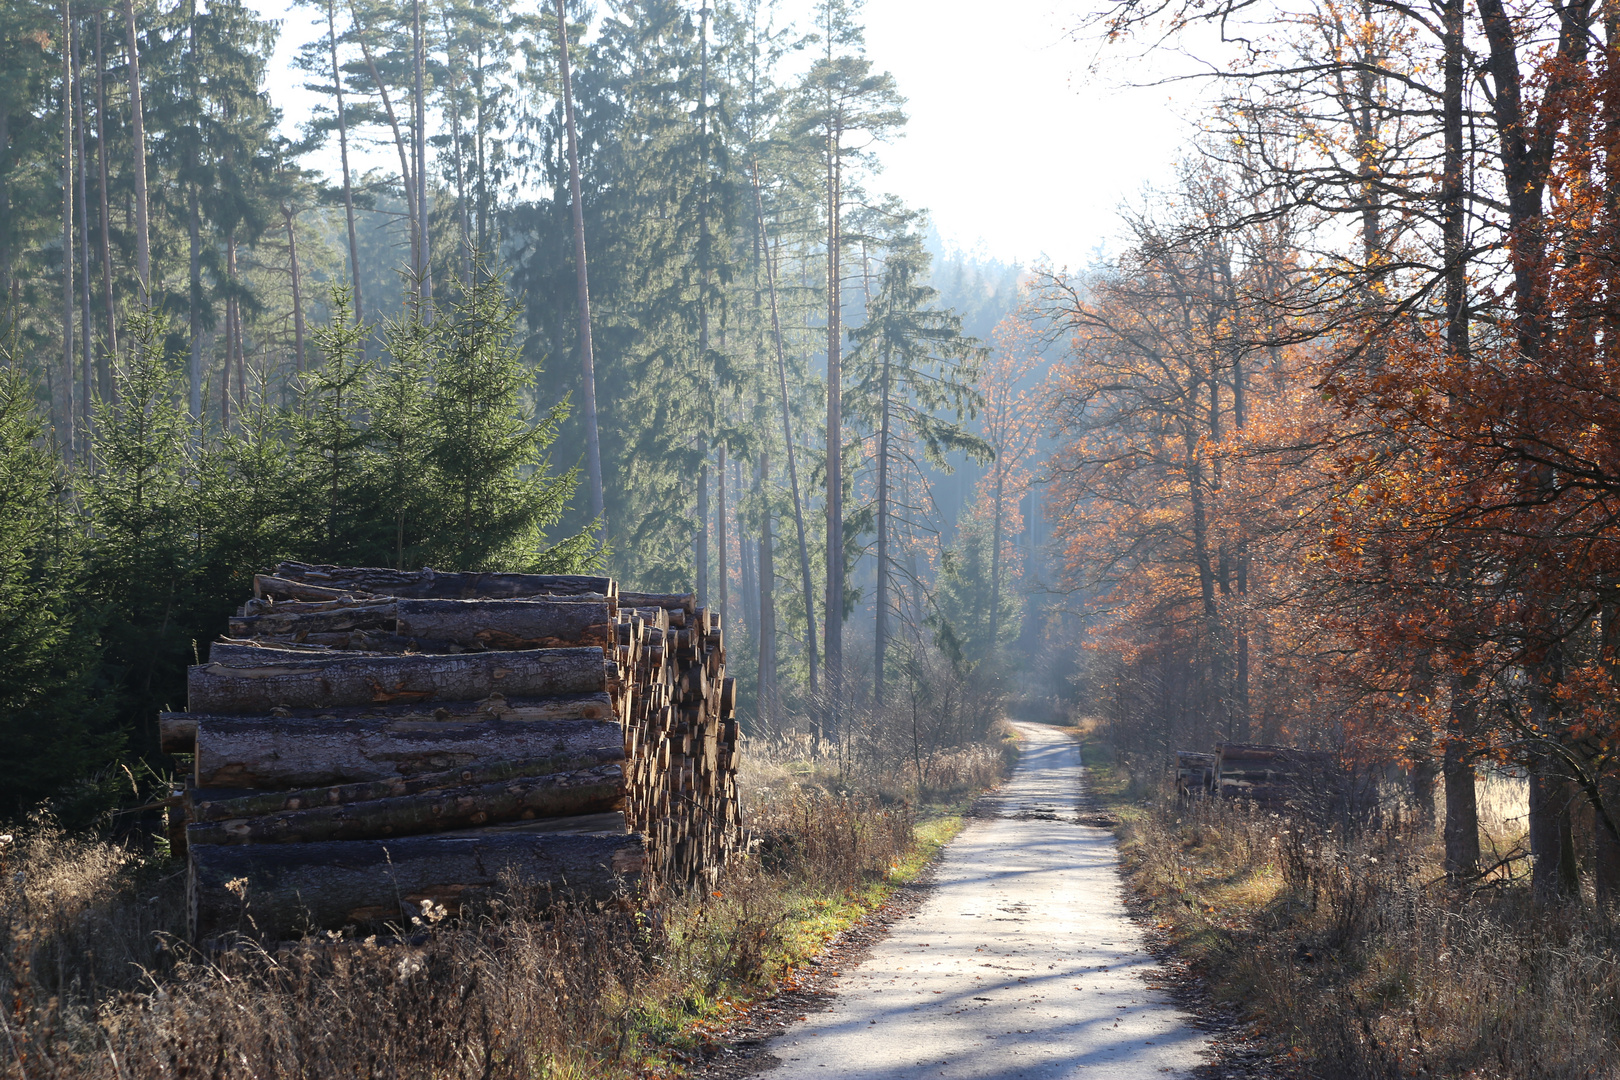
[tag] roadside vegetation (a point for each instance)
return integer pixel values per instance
(1353, 954)
(98, 982)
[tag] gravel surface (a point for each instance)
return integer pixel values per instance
(1019, 961)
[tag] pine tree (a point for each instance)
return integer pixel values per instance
(911, 365)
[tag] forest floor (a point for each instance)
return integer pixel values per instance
(1016, 957)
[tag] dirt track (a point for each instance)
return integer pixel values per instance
(1021, 962)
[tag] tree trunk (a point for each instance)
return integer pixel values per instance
(230, 805)
(268, 752)
(721, 538)
(411, 210)
(65, 411)
(701, 540)
(86, 333)
(995, 560)
(143, 246)
(880, 629)
(1553, 871)
(508, 624)
(177, 731)
(275, 890)
(297, 285)
(430, 584)
(587, 357)
(194, 277)
(424, 269)
(5, 206)
(787, 439)
(834, 612)
(767, 604)
(343, 157)
(360, 680)
(1605, 848)
(110, 346)
(595, 790)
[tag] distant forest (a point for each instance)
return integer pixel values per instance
(218, 355)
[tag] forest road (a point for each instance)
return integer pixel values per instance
(1021, 963)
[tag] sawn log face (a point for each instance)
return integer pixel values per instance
(287, 888)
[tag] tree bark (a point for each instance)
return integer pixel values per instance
(880, 629)
(110, 346)
(343, 158)
(701, 540)
(596, 790)
(443, 585)
(276, 890)
(424, 268)
(194, 277)
(508, 624)
(587, 357)
(81, 180)
(360, 680)
(787, 440)
(260, 752)
(1553, 871)
(833, 615)
(297, 284)
(177, 731)
(232, 805)
(412, 213)
(767, 603)
(143, 246)
(720, 535)
(65, 411)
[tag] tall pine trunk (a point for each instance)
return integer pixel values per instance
(143, 246)
(593, 451)
(419, 109)
(343, 158)
(880, 629)
(65, 413)
(82, 193)
(720, 537)
(110, 343)
(806, 577)
(412, 214)
(701, 541)
(297, 284)
(767, 599)
(834, 600)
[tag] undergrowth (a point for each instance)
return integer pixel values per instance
(98, 982)
(1354, 955)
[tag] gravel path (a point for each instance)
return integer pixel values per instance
(1021, 962)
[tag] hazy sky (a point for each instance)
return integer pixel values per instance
(1013, 146)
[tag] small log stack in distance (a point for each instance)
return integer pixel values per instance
(368, 743)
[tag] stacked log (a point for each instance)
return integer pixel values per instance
(368, 743)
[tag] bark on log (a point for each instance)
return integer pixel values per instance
(431, 584)
(508, 624)
(200, 808)
(586, 791)
(217, 688)
(686, 602)
(234, 652)
(254, 752)
(330, 620)
(177, 731)
(274, 890)
(280, 588)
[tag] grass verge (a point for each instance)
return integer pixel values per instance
(1352, 955)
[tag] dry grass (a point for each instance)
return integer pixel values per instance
(1360, 961)
(96, 982)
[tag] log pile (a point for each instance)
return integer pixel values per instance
(368, 744)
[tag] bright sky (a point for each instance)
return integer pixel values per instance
(1013, 146)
